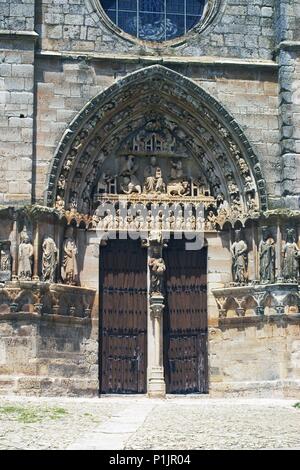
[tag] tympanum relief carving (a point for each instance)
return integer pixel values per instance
(158, 164)
(181, 126)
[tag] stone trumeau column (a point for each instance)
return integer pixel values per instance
(288, 56)
(17, 44)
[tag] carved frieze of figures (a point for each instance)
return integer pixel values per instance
(49, 259)
(239, 252)
(25, 257)
(267, 258)
(69, 269)
(291, 257)
(5, 261)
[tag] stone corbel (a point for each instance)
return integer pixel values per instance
(259, 297)
(37, 298)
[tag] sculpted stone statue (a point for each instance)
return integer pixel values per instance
(130, 182)
(69, 271)
(130, 167)
(160, 186)
(222, 204)
(49, 259)
(157, 267)
(267, 258)
(190, 221)
(239, 259)
(149, 175)
(131, 185)
(178, 188)
(176, 170)
(291, 256)
(73, 201)
(59, 204)
(154, 182)
(211, 221)
(25, 257)
(5, 261)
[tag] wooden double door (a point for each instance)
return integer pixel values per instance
(123, 319)
(185, 319)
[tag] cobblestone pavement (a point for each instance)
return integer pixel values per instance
(139, 423)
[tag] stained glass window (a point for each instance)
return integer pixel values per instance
(155, 20)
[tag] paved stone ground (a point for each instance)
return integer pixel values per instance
(139, 423)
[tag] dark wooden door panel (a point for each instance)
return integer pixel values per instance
(123, 315)
(185, 321)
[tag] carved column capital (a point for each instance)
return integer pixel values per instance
(157, 306)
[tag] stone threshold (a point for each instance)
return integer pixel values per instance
(129, 58)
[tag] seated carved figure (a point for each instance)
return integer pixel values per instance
(155, 182)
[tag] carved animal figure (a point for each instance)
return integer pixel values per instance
(178, 188)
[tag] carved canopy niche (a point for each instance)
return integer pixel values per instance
(156, 113)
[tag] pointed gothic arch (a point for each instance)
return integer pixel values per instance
(160, 100)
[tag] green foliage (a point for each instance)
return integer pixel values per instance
(29, 414)
(297, 405)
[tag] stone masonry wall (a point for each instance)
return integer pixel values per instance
(17, 15)
(288, 50)
(40, 356)
(241, 29)
(16, 99)
(259, 357)
(289, 79)
(16, 118)
(287, 13)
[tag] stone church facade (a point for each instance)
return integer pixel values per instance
(150, 197)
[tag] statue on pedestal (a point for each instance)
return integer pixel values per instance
(49, 259)
(25, 257)
(239, 254)
(157, 267)
(69, 270)
(291, 256)
(267, 258)
(5, 261)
